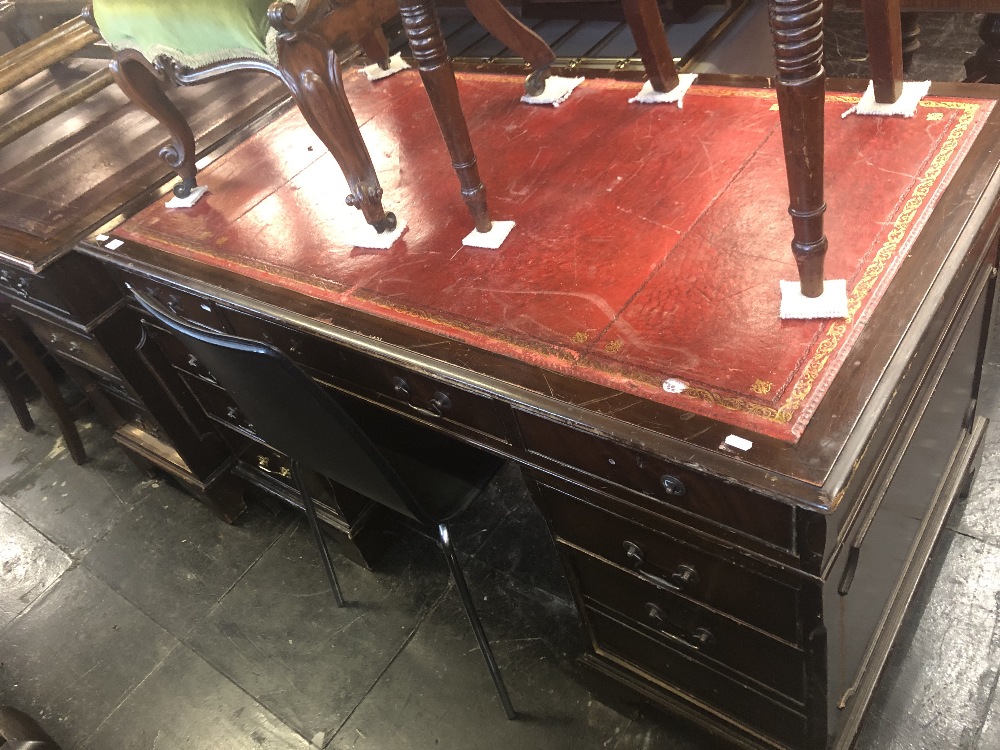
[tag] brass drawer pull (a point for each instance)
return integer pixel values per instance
(672, 485)
(696, 639)
(684, 576)
(437, 405)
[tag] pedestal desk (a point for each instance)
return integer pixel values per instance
(743, 506)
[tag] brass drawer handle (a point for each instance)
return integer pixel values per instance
(437, 405)
(684, 576)
(672, 485)
(263, 462)
(696, 639)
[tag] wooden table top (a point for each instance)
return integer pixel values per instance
(649, 239)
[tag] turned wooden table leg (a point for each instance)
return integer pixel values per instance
(984, 66)
(8, 380)
(143, 88)
(310, 69)
(797, 28)
(909, 23)
(646, 24)
(427, 44)
(35, 369)
(496, 19)
(885, 48)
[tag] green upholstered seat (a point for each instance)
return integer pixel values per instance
(193, 32)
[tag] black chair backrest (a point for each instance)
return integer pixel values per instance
(292, 413)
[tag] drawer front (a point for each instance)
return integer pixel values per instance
(32, 288)
(217, 404)
(672, 486)
(380, 381)
(74, 286)
(690, 678)
(73, 345)
(697, 575)
(698, 632)
(182, 303)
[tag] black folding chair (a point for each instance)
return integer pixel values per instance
(418, 472)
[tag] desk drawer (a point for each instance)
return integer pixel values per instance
(216, 403)
(73, 345)
(378, 380)
(670, 485)
(74, 287)
(691, 678)
(700, 576)
(182, 303)
(693, 630)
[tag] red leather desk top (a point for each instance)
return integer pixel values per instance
(649, 239)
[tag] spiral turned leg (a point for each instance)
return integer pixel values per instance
(797, 30)
(427, 44)
(141, 86)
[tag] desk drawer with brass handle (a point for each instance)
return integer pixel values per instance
(771, 717)
(379, 380)
(73, 345)
(585, 457)
(693, 630)
(673, 565)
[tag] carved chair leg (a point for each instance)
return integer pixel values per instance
(376, 48)
(885, 48)
(427, 44)
(311, 70)
(501, 24)
(646, 24)
(142, 87)
(797, 29)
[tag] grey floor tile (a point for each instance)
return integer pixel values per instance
(976, 516)
(938, 686)
(76, 505)
(280, 636)
(75, 654)
(29, 564)
(24, 450)
(504, 530)
(172, 558)
(186, 705)
(439, 681)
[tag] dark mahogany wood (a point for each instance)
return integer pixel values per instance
(797, 28)
(12, 339)
(427, 45)
(311, 69)
(885, 48)
(136, 78)
(650, 37)
(499, 22)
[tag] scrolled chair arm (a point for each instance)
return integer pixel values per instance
(288, 17)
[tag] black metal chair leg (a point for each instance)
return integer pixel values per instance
(324, 551)
(477, 626)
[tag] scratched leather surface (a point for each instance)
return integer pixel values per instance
(649, 240)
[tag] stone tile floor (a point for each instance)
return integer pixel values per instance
(131, 619)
